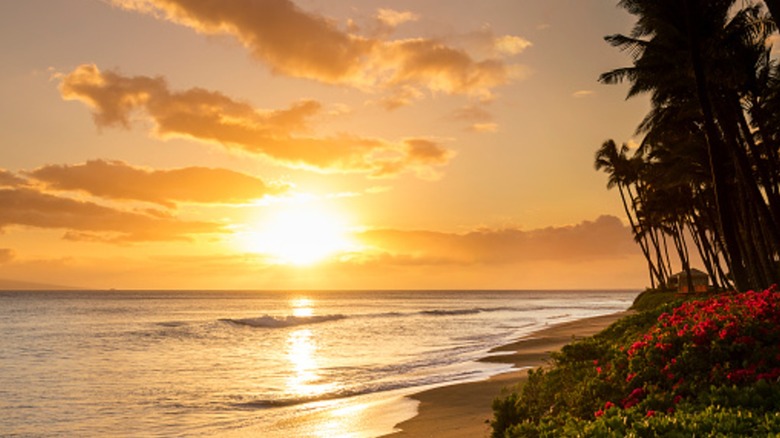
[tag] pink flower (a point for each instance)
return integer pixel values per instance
(598, 413)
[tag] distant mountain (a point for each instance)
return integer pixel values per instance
(27, 285)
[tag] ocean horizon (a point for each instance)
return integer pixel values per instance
(239, 363)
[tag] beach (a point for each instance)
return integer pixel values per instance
(464, 410)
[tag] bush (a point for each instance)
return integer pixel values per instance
(651, 299)
(706, 367)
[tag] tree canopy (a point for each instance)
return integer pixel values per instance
(706, 172)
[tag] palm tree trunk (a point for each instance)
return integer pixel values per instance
(702, 246)
(682, 252)
(718, 157)
(640, 240)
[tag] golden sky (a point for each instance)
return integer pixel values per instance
(288, 144)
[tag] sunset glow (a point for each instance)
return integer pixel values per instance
(299, 235)
(313, 218)
(293, 144)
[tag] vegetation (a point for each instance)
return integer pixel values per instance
(652, 298)
(704, 183)
(686, 368)
(707, 170)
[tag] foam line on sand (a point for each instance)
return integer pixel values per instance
(464, 410)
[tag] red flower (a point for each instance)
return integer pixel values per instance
(650, 413)
(598, 413)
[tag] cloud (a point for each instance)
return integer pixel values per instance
(421, 156)
(484, 127)
(606, 238)
(479, 118)
(277, 32)
(511, 44)
(591, 254)
(118, 180)
(393, 19)
(86, 220)
(442, 68)
(486, 41)
(401, 96)
(297, 43)
(9, 179)
(583, 93)
(212, 117)
(473, 113)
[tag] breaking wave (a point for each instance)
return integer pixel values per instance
(268, 321)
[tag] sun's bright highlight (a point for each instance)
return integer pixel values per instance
(299, 235)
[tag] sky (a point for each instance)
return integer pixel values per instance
(311, 144)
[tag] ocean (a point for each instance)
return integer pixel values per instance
(253, 363)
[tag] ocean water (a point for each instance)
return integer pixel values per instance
(243, 363)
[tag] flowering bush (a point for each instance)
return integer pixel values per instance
(731, 339)
(658, 369)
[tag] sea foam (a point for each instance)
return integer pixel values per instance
(268, 321)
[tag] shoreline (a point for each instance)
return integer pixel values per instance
(464, 410)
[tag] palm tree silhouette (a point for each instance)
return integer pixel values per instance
(706, 68)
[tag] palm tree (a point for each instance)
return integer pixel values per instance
(699, 60)
(615, 162)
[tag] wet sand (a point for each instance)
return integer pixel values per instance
(464, 410)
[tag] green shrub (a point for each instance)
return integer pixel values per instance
(652, 298)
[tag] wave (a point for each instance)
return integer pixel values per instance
(268, 321)
(172, 324)
(451, 312)
(372, 388)
(472, 311)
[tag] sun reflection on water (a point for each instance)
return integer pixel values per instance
(302, 307)
(339, 422)
(305, 380)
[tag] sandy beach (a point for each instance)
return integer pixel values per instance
(464, 410)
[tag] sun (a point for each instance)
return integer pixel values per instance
(299, 235)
